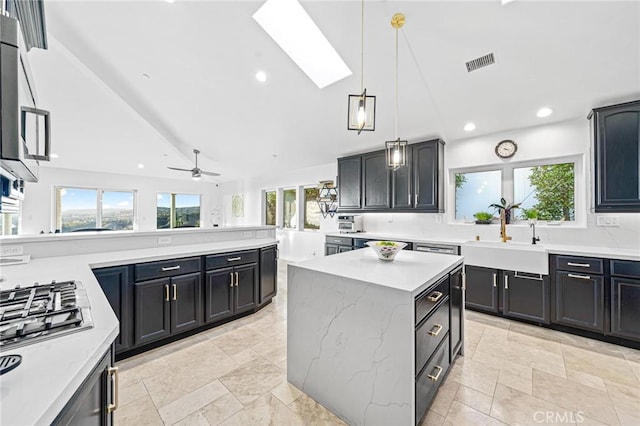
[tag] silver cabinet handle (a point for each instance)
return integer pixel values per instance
(580, 277)
(171, 268)
(175, 292)
(231, 275)
(464, 281)
(236, 279)
(581, 265)
(435, 296)
(506, 282)
(166, 292)
(435, 333)
(415, 203)
(495, 280)
(437, 376)
(538, 278)
(113, 373)
(233, 259)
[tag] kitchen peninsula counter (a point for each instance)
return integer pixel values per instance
(351, 327)
(52, 370)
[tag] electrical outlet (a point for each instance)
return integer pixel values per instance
(390, 219)
(164, 240)
(608, 221)
(261, 234)
(248, 234)
(11, 250)
(438, 218)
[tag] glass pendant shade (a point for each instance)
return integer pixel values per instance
(396, 153)
(362, 112)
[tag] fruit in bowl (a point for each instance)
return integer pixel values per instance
(386, 250)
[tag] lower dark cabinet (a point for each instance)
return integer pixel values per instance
(579, 300)
(482, 288)
(456, 312)
(230, 291)
(526, 296)
(268, 273)
(116, 285)
(186, 302)
(93, 403)
(625, 308)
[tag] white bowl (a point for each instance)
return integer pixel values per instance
(386, 250)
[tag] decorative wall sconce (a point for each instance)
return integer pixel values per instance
(327, 198)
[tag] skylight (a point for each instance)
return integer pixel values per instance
(294, 31)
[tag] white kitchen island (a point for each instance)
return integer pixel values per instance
(351, 332)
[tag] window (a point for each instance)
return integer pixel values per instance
(178, 211)
(270, 207)
(545, 189)
(475, 191)
(9, 223)
(289, 208)
(311, 208)
(89, 209)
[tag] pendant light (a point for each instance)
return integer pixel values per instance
(396, 150)
(361, 113)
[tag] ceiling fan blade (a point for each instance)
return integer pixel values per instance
(182, 170)
(209, 173)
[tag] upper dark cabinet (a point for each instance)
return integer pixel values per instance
(428, 165)
(402, 185)
(617, 157)
(375, 181)
(349, 175)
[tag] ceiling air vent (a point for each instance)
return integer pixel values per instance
(480, 62)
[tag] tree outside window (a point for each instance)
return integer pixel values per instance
(311, 208)
(548, 189)
(270, 207)
(289, 208)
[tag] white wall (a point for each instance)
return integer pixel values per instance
(38, 209)
(570, 138)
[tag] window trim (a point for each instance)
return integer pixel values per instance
(304, 209)
(172, 208)
(280, 221)
(507, 186)
(263, 204)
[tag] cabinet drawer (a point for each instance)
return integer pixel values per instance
(580, 264)
(431, 378)
(428, 299)
(166, 268)
(231, 259)
(344, 241)
(430, 333)
(625, 268)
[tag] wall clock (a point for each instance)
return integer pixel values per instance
(506, 148)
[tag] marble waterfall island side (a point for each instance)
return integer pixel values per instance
(351, 331)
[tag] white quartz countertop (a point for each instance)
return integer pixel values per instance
(411, 271)
(51, 371)
(399, 237)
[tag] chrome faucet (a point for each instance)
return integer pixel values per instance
(534, 238)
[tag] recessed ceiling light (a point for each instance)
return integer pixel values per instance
(544, 112)
(261, 76)
(169, 1)
(53, 155)
(469, 127)
(294, 31)
(140, 166)
(145, 75)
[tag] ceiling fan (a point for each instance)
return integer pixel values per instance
(196, 172)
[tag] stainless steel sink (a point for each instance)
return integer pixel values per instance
(512, 256)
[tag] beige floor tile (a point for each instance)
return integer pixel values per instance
(131, 373)
(574, 396)
(194, 419)
(245, 356)
(221, 409)
(599, 364)
(461, 415)
(192, 402)
(252, 380)
(630, 354)
(238, 340)
(432, 419)
(474, 399)
(535, 342)
(476, 375)
(313, 413)
(586, 379)
(518, 408)
(266, 410)
(142, 412)
(445, 396)
(485, 319)
(286, 392)
(127, 394)
(535, 331)
(626, 401)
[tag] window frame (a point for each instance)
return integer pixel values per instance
(280, 221)
(172, 208)
(304, 208)
(507, 186)
(263, 203)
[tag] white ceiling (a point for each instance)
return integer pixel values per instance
(201, 57)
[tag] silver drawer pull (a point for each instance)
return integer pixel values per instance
(495, 280)
(171, 268)
(580, 277)
(538, 278)
(113, 373)
(506, 282)
(337, 241)
(435, 333)
(581, 265)
(435, 296)
(231, 275)
(437, 376)
(233, 259)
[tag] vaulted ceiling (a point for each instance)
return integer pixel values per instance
(133, 82)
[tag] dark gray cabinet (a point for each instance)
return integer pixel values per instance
(218, 296)
(482, 288)
(456, 311)
(579, 300)
(526, 296)
(375, 181)
(402, 185)
(93, 403)
(625, 299)
(617, 157)
(268, 274)
(335, 245)
(186, 302)
(117, 287)
(349, 183)
(428, 170)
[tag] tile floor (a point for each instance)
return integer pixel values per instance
(512, 373)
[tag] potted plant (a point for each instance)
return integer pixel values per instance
(530, 215)
(506, 207)
(483, 218)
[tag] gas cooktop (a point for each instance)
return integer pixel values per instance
(42, 311)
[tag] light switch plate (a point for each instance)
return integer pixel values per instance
(11, 250)
(248, 234)
(164, 240)
(609, 221)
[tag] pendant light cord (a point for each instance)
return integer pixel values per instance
(396, 122)
(362, 50)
